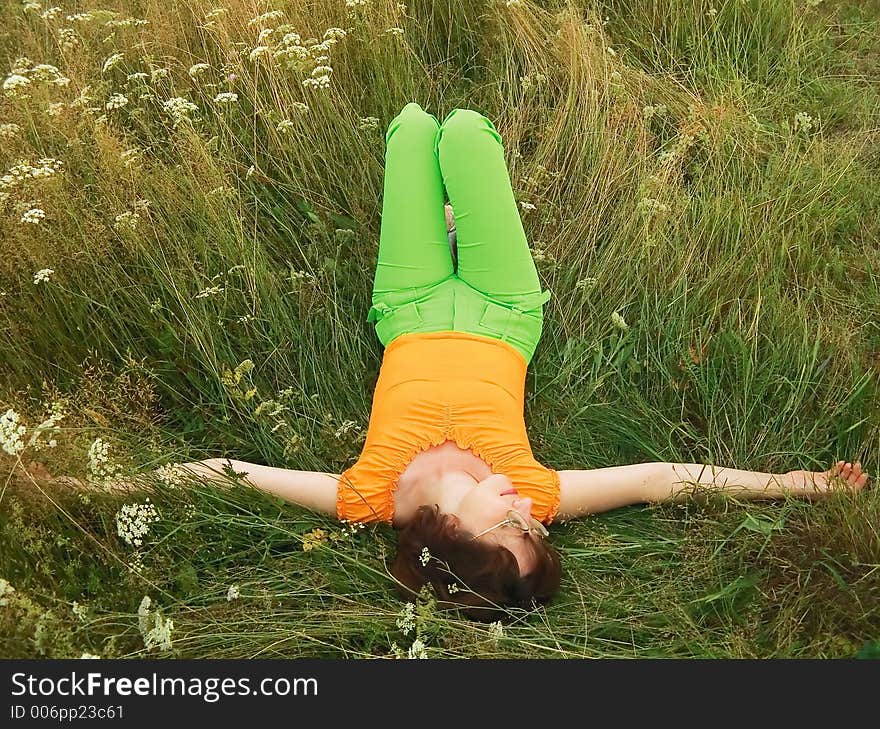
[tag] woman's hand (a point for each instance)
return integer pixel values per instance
(37, 470)
(821, 483)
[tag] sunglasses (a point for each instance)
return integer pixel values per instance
(518, 521)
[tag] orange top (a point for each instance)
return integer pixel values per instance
(437, 386)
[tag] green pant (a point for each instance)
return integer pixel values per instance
(495, 292)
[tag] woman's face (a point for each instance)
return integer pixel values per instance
(486, 504)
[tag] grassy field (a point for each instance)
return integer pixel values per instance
(190, 220)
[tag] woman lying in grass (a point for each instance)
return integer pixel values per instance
(447, 460)
(485, 548)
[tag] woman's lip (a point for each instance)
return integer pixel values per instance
(509, 491)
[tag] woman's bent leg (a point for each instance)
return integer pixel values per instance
(494, 260)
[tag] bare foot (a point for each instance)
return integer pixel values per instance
(841, 475)
(450, 217)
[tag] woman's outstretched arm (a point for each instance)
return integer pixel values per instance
(602, 489)
(314, 490)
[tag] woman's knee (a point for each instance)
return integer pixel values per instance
(413, 115)
(460, 117)
(464, 121)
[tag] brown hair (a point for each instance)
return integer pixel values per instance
(484, 577)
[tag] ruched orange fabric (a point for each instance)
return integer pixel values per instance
(438, 386)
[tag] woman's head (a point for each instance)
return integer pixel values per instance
(487, 504)
(505, 567)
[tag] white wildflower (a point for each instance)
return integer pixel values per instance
(618, 321)
(496, 630)
(586, 283)
(90, 655)
(116, 101)
(170, 474)
(232, 593)
(100, 466)
(258, 52)
(425, 556)
(144, 613)
(417, 650)
(68, 38)
(262, 19)
(11, 432)
(112, 61)
(160, 634)
(50, 13)
(226, 97)
(180, 109)
(350, 528)
(284, 126)
(321, 82)
(58, 409)
(346, 426)
(133, 521)
(55, 108)
(81, 611)
(10, 130)
(394, 31)
(34, 215)
(157, 73)
(803, 121)
(47, 425)
(136, 563)
(198, 69)
(406, 618)
(127, 221)
(210, 291)
(13, 83)
(126, 23)
(50, 73)
(526, 205)
(43, 275)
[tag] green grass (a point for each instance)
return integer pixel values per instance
(707, 217)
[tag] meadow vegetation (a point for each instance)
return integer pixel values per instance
(190, 198)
